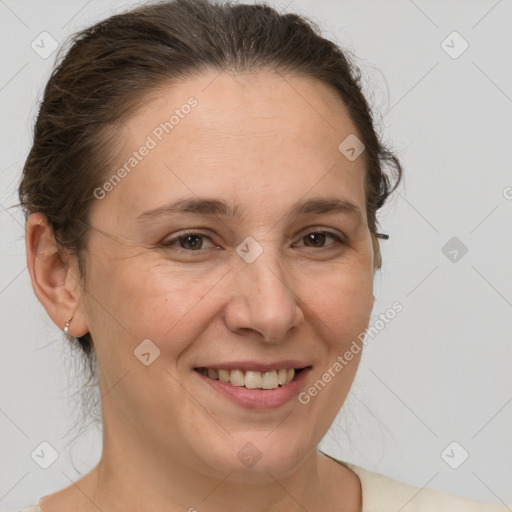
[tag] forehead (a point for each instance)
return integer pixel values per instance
(273, 134)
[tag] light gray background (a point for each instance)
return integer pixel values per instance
(441, 370)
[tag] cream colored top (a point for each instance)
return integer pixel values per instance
(381, 493)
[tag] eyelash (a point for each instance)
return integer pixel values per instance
(173, 241)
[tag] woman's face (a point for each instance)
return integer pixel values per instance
(279, 277)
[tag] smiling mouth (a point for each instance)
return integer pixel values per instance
(252, 379)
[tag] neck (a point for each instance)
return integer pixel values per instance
(134, 475)
(132, 480)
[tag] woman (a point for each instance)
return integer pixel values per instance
(201, 201)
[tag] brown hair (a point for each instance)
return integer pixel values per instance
(111, 67)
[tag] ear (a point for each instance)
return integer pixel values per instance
(55, 281)
(377, 257)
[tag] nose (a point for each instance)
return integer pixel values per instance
(262, 299)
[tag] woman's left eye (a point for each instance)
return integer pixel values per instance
(317, 239)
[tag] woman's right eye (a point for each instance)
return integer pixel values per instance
(190, 241)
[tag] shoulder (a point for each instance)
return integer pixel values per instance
(381, 493)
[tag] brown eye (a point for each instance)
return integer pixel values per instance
(191, 242)
(317, 239)
(187, 242)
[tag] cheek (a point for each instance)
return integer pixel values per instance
(341, 299)
(143, 298)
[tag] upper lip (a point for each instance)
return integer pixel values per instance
(256, 366)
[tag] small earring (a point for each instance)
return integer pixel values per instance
(66, 325)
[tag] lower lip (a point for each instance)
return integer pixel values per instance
(258, 398)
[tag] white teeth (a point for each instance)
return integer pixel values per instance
(252, 379)
(270, 380)
(237, 378)
(224, 375)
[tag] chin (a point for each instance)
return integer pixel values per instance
(259, 457)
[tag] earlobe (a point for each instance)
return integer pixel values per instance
(54, 280)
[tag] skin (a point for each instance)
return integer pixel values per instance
(262, 141)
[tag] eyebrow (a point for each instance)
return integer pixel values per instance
(219, 207)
